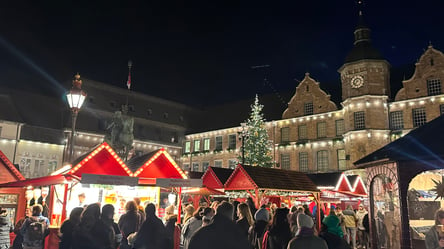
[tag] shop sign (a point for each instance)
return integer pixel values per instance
(172, 182)
(109, 180)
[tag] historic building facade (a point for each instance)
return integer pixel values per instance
(316, 136)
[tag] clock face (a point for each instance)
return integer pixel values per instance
(357, 81)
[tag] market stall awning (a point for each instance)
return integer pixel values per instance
(102, 160)
(157, 164)
(8, 172)
(250, 177)
(216, 177)
(41, 181)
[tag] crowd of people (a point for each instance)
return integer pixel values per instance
(219, 225)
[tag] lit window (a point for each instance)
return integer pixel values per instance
(285, 134)
(302, 131)
(196, 145)
(285, 161)
(340, 127)
(396, 120)
(433, 87)
(205, 166)
(308, 108)
(195, 167)
(218, 143)
(342, 160)
(187, 147)
(232, 141)
(322, 160)
(322, 129)
(186, 167)
(359, 118)
(441, 110)
(206, 144)
(232, 163)
(418, 116)
(303, 161)
(218, 163)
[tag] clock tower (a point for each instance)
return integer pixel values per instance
(365, 71)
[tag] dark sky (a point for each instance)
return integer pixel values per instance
(201, 52)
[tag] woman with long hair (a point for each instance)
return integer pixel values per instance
(67, 228)
(129, 223)
(107, 218)
(191, 226)
(245, 219)
(279, 233)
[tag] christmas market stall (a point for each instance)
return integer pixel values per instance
(213, 180)
(405, 182)
(271, 185)
(336, 190)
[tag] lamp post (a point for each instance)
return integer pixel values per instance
(75, 98)
(242, 136)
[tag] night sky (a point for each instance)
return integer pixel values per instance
(202, 52)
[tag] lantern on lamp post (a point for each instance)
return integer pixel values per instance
(75, 98)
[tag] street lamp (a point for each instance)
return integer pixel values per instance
(75, 98)
(243, 134)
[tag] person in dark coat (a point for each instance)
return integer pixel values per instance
(279, 232)
(67, 228)
(222, 233)
(107, 218)
(251, 204)
(152, 233)
(332, 233)
(305, 237)
(17, 243)
(245, 218)
(129, 223)
(170, 225)
(92, 233)
(257, 230)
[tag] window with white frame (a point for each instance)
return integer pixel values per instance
(285, 161)
(359, 118)
(186, 166)
(187, 147)
(302, 132)
(196, 145)
(322, 129)
(205, 166)
(308, 108)
(433, 87)
(232, 163)
(419, 116)
(285, 134)
(195, 167)
(340, 127)
(303, 161)
(25, 166)
(218, 143)
(441, 109)
(322, 160)
(39, 168)
(342, 159)
(52, 166)
(396, 120)
(232, 141)
(206, 144)
(218, 163)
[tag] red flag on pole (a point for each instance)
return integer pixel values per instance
(128, 82)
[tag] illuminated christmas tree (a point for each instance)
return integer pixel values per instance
(256, 147)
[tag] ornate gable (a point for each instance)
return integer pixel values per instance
(308, 93)
(430, 67)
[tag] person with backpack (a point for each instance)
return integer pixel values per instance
(35, 229)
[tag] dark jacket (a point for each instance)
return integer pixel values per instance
(17, 244)
(170, 226)
(99, 236)
(129, 223)
(66, 230)
(222, 233)
(256, 233)
(278, 239)
(151, 235)
(334, 241)
(243, 225)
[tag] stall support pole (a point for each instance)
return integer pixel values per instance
(317, 197)
(65, 199)
(179, 209)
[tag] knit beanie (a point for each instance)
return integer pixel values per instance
(262, 214)
(305, 221)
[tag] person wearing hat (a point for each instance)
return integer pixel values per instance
(305, 238)
(362, 234)
(332, 232)
(5, 228)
